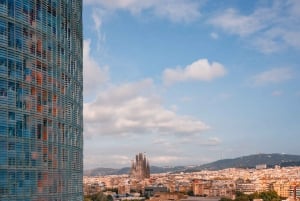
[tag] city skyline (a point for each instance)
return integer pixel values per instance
(189, 82)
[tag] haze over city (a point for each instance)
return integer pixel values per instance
(189, 81)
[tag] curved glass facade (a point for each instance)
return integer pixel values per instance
(41, 100)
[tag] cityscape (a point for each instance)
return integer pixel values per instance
(157, 100)
(210, 184)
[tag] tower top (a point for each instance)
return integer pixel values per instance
(140, 168)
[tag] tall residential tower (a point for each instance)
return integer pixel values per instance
(41, 100)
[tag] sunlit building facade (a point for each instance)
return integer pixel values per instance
(41, 100)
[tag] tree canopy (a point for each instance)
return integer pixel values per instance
(96, 197)
(266, 196)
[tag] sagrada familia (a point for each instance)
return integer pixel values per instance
(140, 169)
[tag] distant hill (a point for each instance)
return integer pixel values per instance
(250, 161)
(110, 171)
(100, 171)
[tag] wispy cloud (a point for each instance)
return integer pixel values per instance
(174, 10)
(166, 159)
(95, 160)
(277, 93)
(168, 146)
(214, 35)
(269, 29)
(211, 141)
(231, 21)
(94, 75)
(200, 70)
(97, 17)
(186, 99)
(275, 75)
(162, 142)
(178, 10)
(128, 109)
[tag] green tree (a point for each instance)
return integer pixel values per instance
(190, 193)
(253, 196)
(110, 198)
(225, 199)
(240, 196)
(96, 197)
(269, 196)
(266, 196)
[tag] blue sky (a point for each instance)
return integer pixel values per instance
(188, 81)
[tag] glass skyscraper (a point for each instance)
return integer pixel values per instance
(41, 100)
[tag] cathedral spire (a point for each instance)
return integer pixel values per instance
(140, 168)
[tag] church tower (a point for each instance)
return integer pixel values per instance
(140, 168)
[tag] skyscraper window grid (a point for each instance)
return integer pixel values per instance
(41, 100)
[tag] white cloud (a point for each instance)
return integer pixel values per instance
(97, 17)
(165, 159)
(269, 29)
(91, 161)
(214, 35)
(162, 142)
(232, 22)
(178, 10)
(174, 10)
(166, 146)
(121, 159)
(95, 160)
(94, 76)
(266, 45)
(199, 70)
(275, 75)
(131, 109)
(182, 159)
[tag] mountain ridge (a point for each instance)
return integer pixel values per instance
(249, 161)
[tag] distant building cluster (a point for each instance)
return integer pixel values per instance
(140, 168)
(222, 183)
